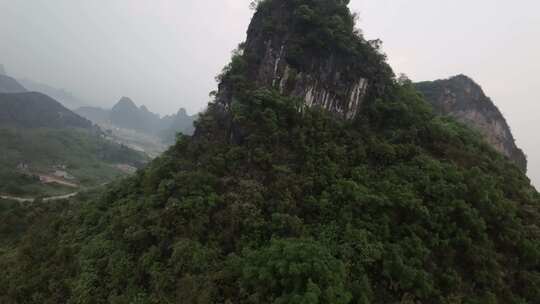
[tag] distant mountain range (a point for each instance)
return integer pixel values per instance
(125, 114)
(11, 85)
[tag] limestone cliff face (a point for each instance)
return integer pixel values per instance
(279, 56)
(462, 98)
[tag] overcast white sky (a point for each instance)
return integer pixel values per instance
(165, 53)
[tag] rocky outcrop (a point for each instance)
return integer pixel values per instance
(462, 98)
(280, 54)
(323, 87)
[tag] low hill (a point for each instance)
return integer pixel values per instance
(33, 110)
(74, 156)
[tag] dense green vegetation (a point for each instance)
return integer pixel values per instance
(319, 30)
(400, 206)
(86, 155)
(397, 206)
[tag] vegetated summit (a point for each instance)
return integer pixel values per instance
(278, 199)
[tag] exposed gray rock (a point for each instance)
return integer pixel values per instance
(462, 98)
(331, 80)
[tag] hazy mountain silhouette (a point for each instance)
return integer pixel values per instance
(125, 114)
(65, 97)
(10, 85)
(32, 109)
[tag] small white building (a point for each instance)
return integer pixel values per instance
(63, 174)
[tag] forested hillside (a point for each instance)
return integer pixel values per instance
(274, 200)
(45, 147)
(35, 110)
(91, 160)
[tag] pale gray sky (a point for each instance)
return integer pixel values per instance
(165, 53)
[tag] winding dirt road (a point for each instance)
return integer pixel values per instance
(46, 199)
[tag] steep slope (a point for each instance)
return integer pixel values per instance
(10, 85)
(312, 52)
(37, 110)
(462, 98)
(278, 201)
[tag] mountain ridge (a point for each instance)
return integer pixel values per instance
(32, 109)
(68, 99)
(126, 114)
(276, 199)
(10, 85)
(461, 97)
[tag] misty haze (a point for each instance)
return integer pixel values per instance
(269, 151)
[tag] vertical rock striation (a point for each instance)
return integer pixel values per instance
(287, 49)
(462, 98)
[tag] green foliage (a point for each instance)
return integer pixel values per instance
(272, 202)
(88, 156)
(319, 30)
(293, 271)
(399, 206)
